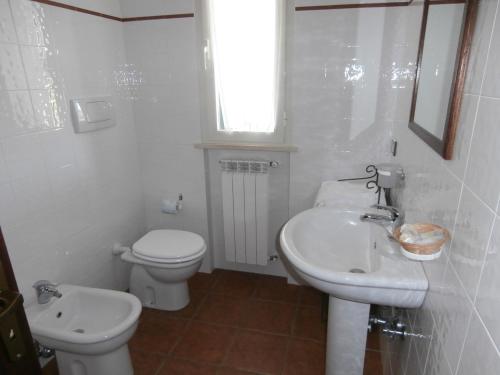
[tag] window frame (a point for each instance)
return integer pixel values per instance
(209, 126)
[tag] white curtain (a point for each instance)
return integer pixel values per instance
(246, 37)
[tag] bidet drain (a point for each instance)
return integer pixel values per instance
(356, 270)
(79, 330)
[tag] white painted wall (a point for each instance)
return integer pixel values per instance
(65, 199)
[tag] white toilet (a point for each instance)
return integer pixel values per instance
(163, 261)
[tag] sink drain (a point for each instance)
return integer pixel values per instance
(79, 330)
(356, 270)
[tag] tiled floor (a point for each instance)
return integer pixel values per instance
(238, 323)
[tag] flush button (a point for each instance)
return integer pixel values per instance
(356, 270)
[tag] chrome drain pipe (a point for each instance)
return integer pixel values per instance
(392, 327)
(43, 351)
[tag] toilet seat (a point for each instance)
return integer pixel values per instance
(169, 246)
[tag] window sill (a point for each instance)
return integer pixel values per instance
(247, 147)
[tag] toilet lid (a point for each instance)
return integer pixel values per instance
(169, 244)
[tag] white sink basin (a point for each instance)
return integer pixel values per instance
(324, 244)
(357, 264)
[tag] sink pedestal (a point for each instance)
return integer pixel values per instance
(346, 339)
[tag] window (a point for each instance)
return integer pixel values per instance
(243, 60)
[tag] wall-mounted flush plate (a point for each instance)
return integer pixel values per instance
(92, 114)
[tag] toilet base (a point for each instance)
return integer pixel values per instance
(171, 296)
(117, 362)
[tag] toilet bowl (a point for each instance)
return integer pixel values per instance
(89, 329)
(162, 262)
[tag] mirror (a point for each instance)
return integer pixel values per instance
(443, 54)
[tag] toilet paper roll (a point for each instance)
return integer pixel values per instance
(170, 207)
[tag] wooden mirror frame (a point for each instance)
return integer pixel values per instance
(444, 146)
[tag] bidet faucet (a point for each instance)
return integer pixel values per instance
(45, 290)
(393, 220)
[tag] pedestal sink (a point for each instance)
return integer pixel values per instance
(357, 264)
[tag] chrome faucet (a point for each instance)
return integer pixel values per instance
(393, 220)
(45, 290)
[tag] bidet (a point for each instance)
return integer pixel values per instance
(89, 329)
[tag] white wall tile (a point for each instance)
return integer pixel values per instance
(30, 22)
(413, 364)
(479, 354)
(491, 85)
(482, 175)
(133, 8)
(7, 31)
(472, 233)
(450, 299)
(110, 7)
(480, 46)
(11, 68)
(16, 113)
(65, 199)
(452, 317)
(423, 325)
(334, 70)
(437, 364)
(488, 299)
(162, 57)
(464, 134)
(9, 208)
(43, 109)
(39, 67)
(58, 148)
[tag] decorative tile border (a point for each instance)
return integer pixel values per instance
(190, 15)
(126, 19)
(353, 6)
(374, 5)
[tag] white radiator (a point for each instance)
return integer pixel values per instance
(245, 209)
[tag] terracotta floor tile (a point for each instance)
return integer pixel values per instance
(233, 371)
(50, 368)
(197, 298)
(373, 363)
(305, 357)
(373, 340)
(203, 281)
(146, 363)
(310, 296)
(204, 342)
(157, 335)
(273, 317)
(235, 284)
(259, 352)
(308, 323)
(276, 289)
(175, 366)
(220, 309)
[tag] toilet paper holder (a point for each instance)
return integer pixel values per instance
(170, 207)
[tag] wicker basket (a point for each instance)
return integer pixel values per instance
(426, 249)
